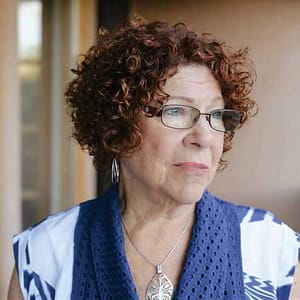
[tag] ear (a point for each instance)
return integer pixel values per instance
(222, 164)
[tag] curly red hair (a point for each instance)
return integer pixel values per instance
(127, 69)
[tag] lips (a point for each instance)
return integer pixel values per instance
(193, 168)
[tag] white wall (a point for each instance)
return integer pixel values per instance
(265, 161)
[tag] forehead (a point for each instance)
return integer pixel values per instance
(194, 82)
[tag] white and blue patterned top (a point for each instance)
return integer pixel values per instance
(44, 255)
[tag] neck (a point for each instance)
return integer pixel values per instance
(158, 230)
(141, 206)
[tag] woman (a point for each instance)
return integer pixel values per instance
(159, 104)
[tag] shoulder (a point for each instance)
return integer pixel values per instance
(41, 250)
(270, 251)
(53, 229)
(44, 253)
(257, 219)
(264, 227)
(263, 231)
(57, 227)
(54, 233)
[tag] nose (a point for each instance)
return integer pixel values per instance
(200, 135)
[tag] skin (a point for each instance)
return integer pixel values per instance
(14, 291)
(153, 169)
(295, 292)
(160, 195)
(160, 187)
(16, 294)
(161, 192)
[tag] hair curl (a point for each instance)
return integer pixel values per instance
(127, 69)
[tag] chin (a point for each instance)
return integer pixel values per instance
(191, 193)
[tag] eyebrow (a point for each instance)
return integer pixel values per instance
(191, 100)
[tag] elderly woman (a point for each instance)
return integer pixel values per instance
(158, 104)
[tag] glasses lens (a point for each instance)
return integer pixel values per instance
(225, 120)
(179, 116)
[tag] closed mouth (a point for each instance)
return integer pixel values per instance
(193, 167)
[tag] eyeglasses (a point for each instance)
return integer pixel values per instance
(184, 116)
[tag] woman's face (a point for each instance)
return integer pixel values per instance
(179, 163)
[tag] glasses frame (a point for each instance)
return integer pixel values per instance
(153, 111)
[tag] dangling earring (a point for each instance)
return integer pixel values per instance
(115, 172)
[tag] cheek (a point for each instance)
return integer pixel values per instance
(158, 151)
(154, 151)
(217, 149)
(157, 141)
(147, 165)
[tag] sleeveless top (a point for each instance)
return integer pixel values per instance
(79, 254)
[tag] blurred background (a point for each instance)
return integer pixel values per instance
(43, 171)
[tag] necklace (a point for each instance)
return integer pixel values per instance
(160, 286)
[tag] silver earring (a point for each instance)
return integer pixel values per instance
(115, 172)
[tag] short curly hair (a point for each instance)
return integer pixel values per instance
(127, 69)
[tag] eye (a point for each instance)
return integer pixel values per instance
(174, 111)
(217, 114)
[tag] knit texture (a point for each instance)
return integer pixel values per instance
(212, 268)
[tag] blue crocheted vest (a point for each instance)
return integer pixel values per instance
(212, 268)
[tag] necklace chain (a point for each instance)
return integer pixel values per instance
(157, 266)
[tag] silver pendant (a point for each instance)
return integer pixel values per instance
(160, 287)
